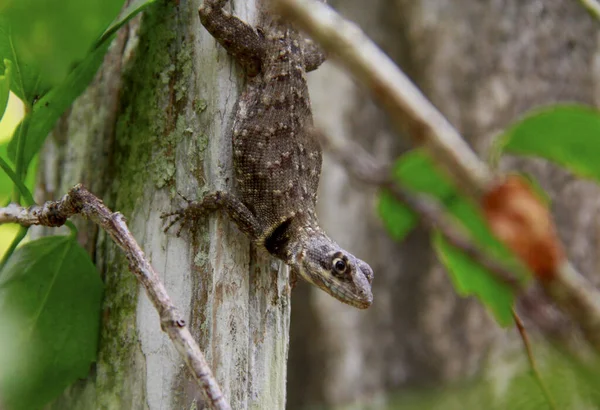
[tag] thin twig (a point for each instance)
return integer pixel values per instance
(592, 6)
(532, 364)
(80, 201)
(408, 108)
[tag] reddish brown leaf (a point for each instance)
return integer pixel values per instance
(521, 220)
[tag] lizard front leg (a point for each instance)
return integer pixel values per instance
(237, 37)
(218, 200)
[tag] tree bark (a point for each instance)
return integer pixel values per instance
(156, 121)
(483, 64)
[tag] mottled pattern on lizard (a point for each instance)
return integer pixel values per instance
(277, 158)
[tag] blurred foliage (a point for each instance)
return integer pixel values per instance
(45, 98)
(566, 134)
(32, 132)
(5, 86)
(12, 116)
(50, 292)
(572, 383)
(398, 219)
(50, 295)
(470, 278)
(50, 38)
(416, 172)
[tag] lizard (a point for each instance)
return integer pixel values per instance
(277, 156)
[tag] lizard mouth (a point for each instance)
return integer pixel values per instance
(345, 292)
(361, 300)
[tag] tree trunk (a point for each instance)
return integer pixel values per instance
(155, 122)
(483, 64)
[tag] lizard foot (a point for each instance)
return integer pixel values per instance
(186, 216)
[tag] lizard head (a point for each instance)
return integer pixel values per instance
(325, 264)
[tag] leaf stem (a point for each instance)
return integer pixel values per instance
(532, 364)
(19, 185)
(72, 228)
(22, 137)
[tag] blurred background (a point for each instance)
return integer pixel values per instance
(483, 64)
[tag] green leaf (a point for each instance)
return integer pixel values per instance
(398, 219)
(25, 77)
(50, 107)
(469, 278)
(414, 171)
(566, 134)
(50, 301)
(417, 172)
(51, 39)
(5, 87)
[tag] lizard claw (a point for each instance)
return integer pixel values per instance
(180, 215)
(185, 216)
(189, 201)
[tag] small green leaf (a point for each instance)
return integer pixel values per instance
(414, 171)
(50, 301)
(566, 134)
(51, 106)
(398, 219)
(469, 278)
(417, 172)
(5, 86)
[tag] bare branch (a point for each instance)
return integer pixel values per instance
(592, 6)
(407, 106)
(80, 201)
(578, 297)
(405, 103)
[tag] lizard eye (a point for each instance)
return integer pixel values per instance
(339, 265)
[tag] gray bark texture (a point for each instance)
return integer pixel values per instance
(483, 64)
(155, 122)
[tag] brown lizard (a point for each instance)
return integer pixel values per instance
(277, 158)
